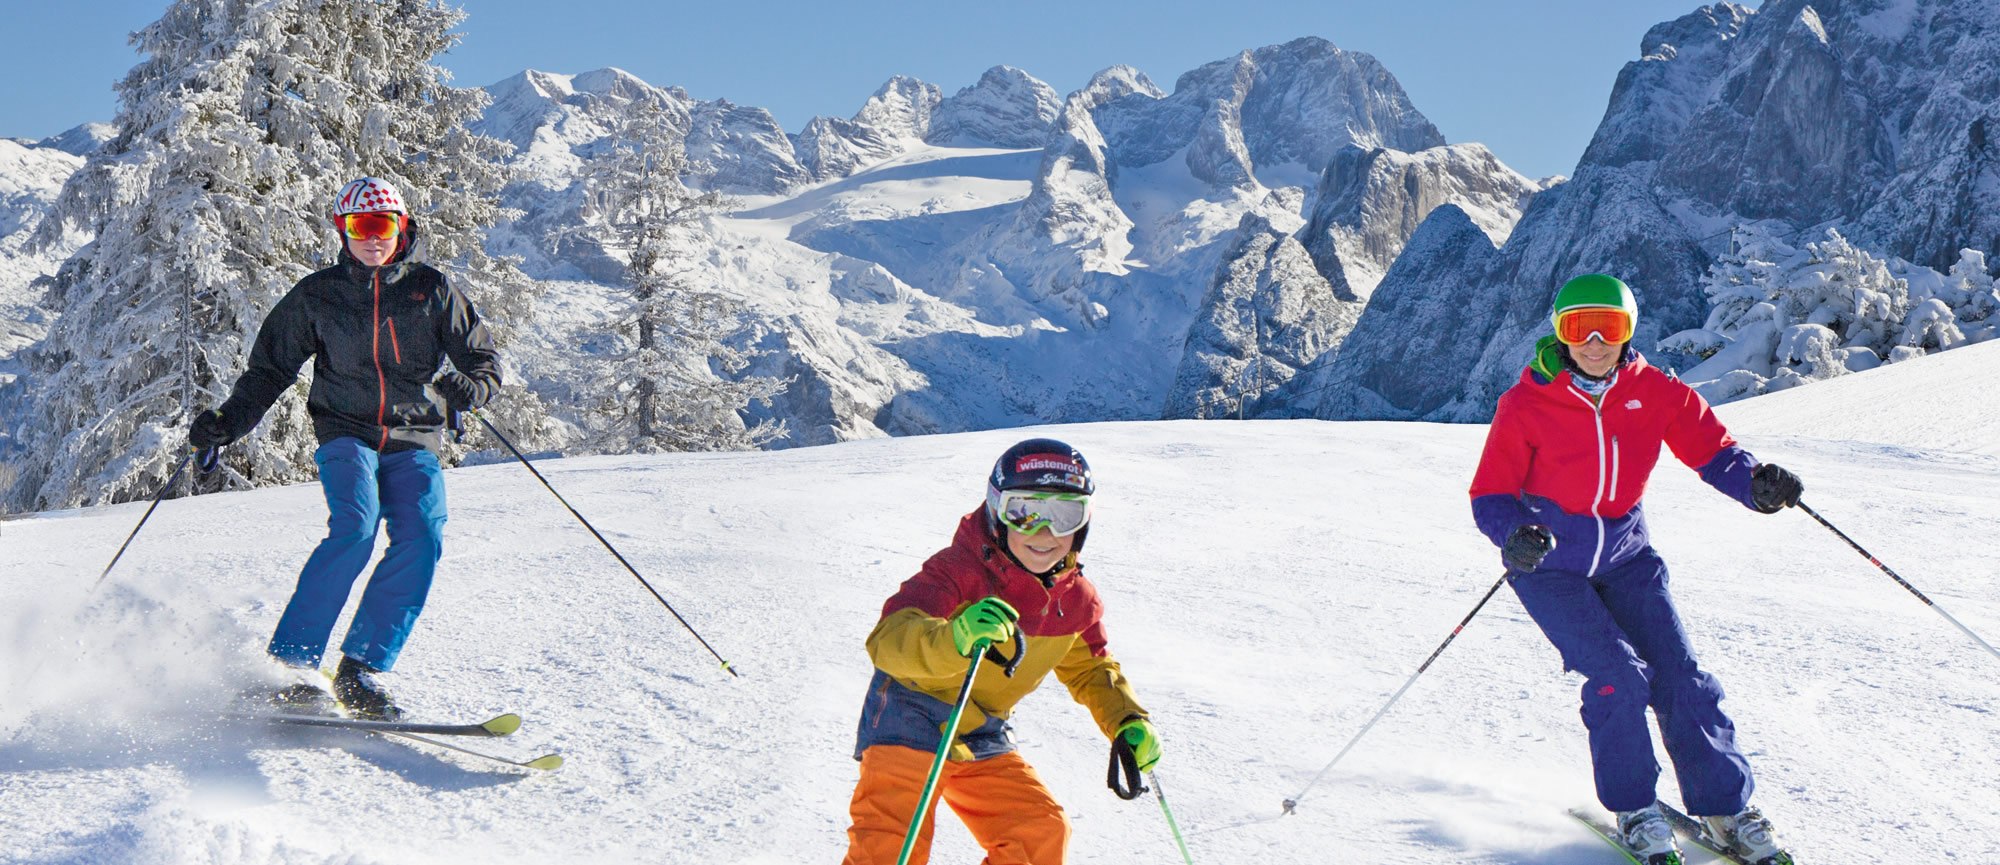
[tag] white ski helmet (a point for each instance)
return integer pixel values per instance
(368, 195)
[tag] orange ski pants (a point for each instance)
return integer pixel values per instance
(1000, 799)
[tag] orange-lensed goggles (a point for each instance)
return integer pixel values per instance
(378, 225)
(1577, 326)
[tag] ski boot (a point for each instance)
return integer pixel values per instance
(1748, 835)
(358, 691)
(1647, 834)
(304, 695)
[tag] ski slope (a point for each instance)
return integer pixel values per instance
(1268, 584)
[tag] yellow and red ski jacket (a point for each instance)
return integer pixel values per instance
(918, 671)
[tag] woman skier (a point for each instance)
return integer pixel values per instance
(1558, 487)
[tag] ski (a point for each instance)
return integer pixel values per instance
(1608, 835)
(1696, 832)
(498, 726)
(544, 763)
(420, 733)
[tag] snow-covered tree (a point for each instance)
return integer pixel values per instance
(1781, 316)
(235, 130)
(677, 385)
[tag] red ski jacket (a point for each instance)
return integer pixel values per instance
(1559, 458)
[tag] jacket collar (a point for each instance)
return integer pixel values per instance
(1634, 364)
(392, 271)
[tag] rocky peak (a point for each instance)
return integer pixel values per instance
(1290, 104)
(1006, 108)
(901, 108)
(1267, 315)
(1114, 83)
(745, 149)
(898, 115)
(1370, 200)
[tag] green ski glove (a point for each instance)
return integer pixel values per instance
(988, 618)
(1145, 743)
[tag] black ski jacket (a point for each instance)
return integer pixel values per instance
(377, 337)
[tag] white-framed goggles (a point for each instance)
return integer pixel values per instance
(1031, 511)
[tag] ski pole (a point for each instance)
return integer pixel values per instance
(1294, 801)
(1899, 580)
(726, 667)
(164, 489)
(1171, 823)
(980, 652)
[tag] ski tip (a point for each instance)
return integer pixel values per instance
(503, 725)
(548, 763)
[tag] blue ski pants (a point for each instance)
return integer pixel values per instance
(363, 489)
(1619, 630)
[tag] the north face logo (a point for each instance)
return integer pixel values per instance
(1631, 403)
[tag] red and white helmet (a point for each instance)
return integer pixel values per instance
(368, 195)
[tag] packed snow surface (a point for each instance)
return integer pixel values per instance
(1268, 584)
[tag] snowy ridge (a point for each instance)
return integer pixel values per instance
(1260, 635)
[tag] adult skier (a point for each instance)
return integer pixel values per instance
(378, 327)
(1011, 565)
(1558, 487)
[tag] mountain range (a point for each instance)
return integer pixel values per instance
(1281, 233)
(1004, 255)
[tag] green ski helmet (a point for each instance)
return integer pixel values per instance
(1595, 289)
(1591, 290)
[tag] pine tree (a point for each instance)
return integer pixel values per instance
(236, 129)
(678, 385)
(1781, 316)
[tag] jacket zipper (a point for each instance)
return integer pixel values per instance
(1614, 440)
(381, 381)
(396, 348)
(1597, 493)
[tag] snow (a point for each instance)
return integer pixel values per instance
(1956, 406)
(1891, 22)
(1268, 585)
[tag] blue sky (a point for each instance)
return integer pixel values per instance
(1529, 80)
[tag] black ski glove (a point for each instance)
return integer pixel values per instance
(1773, 489)
(1526, 548)
(211, 430)
(460, 392)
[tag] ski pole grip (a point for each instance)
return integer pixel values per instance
(1124, 768)
(1008, 665)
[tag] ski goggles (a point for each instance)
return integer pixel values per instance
(1030, 511)
(376, 225)
(1608, 323)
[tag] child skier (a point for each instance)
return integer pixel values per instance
(1557, 489)
(1011, 565)
(378, 326)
